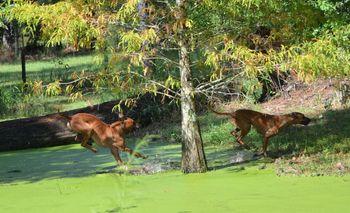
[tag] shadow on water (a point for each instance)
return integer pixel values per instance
(74, 161)
(48, 163)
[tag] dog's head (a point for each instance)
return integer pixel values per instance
(130, 124)
(300, 118)
(125, 123)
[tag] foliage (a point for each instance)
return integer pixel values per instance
(327, 56)
(252, 89)
(227, 40)
(9, 98)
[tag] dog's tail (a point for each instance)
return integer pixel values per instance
(67, 117)
(219, 113)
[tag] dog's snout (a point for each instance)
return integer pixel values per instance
(306, 121)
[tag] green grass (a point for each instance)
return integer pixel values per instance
(44, 105)
(15, 105)
(47, 70)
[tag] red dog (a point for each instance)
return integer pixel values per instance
(111, 136)
(265, 124)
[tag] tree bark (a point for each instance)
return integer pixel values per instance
(193, 156)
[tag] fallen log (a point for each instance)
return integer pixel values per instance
(48, 130)
(51, 130)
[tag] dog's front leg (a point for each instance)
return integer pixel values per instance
(264, 148)
(115, 153)
(131, 152)
(271, 132)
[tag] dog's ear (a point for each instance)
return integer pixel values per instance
(297, 115)
(118, 123)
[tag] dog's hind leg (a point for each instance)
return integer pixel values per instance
(79, 138)
(235, 132)
(243, 128)
(84, 142)
(244, 131)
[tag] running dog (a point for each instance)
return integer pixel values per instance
(111, 136)
(265, 124)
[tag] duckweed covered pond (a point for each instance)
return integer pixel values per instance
(71, 179)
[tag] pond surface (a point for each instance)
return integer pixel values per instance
(71, 179)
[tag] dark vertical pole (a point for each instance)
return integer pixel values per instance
(23, 62)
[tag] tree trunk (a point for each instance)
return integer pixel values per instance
(193, 157)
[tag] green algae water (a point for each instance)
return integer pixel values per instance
(68, 179)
